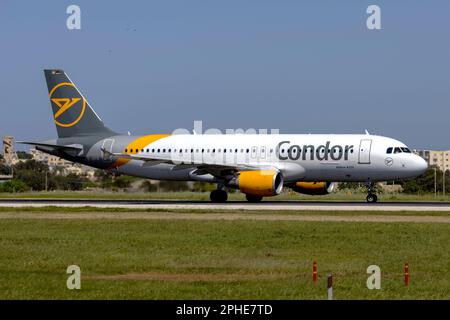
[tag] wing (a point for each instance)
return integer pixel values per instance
(201, 168)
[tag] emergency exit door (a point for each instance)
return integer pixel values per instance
(107, 146)
(364, 151)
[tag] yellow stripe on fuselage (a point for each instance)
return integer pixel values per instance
(136, 146)
(140, 143)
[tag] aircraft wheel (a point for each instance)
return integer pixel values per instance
(252, 198)
(218, 196)
(371, 198)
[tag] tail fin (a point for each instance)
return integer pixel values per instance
(72, 114)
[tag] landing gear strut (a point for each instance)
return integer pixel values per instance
(371, 196)
(218, 196)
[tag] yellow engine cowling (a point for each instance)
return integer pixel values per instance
(313, 188)
(264, 183)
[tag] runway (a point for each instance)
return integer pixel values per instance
(230, 206)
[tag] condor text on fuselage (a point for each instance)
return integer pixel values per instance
(322, 152)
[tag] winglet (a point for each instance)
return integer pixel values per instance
(367, 132)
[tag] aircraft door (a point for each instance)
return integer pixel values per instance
(254, 153)
(107, 145)
(263, 152)
(228, 156)
(364, 151)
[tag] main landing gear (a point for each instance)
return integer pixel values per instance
(253, 198)
(371, 196)
(218, 196)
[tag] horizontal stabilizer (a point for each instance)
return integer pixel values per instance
(71, 147)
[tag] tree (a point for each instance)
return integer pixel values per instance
(148, 186)
(105, 178)
(4, 169)
(33, 172)
(58, 182)
(14, 185)
(122, 182)
(74, 182)
(173, 186)
(203, 187)
(22, 155)
(31, 165)
(356, 186)
(425, 182)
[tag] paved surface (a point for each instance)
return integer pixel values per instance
(233, 205)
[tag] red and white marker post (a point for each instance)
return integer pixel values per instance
(406, 274)
(330, 287)
(314, 272)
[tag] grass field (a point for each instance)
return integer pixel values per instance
(204, 196)
(184, 259)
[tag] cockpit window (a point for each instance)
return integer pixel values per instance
(389, 150)
(397, 150)
(406, 150)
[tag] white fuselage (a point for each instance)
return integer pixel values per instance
(299, 157)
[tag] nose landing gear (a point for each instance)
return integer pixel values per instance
(371, 196)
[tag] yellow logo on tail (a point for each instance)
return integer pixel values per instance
(65, 104)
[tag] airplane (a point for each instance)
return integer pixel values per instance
(259, 165)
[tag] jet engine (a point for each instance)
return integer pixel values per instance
(261, 183)
(312, 188)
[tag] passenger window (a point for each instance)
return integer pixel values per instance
(397, 150)
(126, 150)
(389, 150)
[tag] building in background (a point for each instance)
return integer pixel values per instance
(64, 167)
(55, 164)
(9, 155)
(440, 159)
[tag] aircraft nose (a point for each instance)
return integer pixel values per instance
(419, 165)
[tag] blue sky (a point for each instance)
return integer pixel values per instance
(300, 66)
